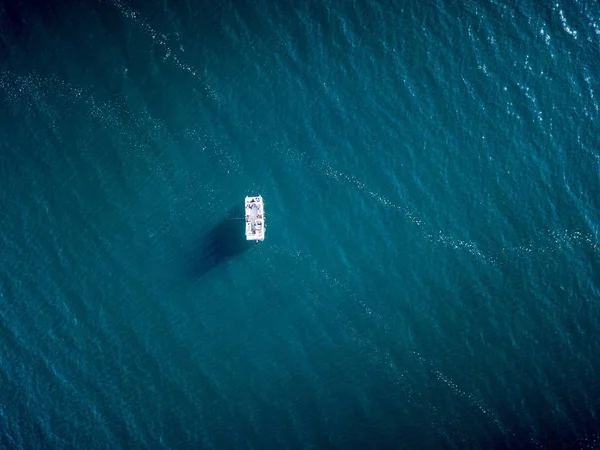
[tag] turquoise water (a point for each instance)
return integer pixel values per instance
(429, 274)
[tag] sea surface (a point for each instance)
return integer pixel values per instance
(430, 274)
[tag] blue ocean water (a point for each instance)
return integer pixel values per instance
(429, 274)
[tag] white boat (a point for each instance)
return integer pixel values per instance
(255, 219)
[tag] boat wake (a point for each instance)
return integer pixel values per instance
(547, 244)
(162, 41)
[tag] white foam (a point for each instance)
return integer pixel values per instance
(470, 397)
(162, 40)
(545, 35)
(550, 243)
(438, 237)
(591, 442)
(566, 26)
(557, 239)
(133, 131)
(207, 143)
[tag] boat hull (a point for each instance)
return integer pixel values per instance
(255, 218)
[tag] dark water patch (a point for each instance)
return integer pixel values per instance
(223, 242)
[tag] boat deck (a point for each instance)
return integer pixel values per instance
(255, 219)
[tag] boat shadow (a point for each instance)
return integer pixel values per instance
(221, 243)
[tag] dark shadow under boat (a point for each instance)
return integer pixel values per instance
(224, 241)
